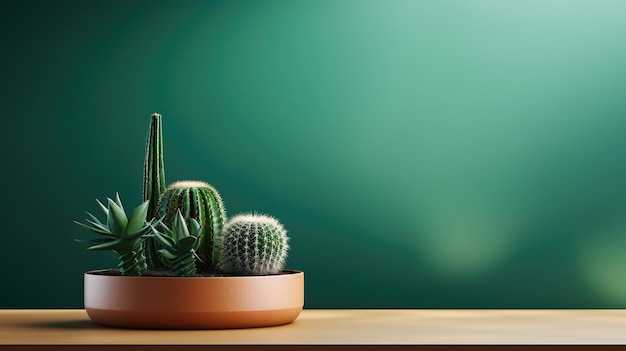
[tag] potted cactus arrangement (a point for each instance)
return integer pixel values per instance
(183, 264)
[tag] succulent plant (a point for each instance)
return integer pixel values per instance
(200, 201)
(153, 180)
(254, 245)
(154, 169)
(179, 245)
(248, 244)
(122, 234)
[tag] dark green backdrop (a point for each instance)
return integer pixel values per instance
(420, 153)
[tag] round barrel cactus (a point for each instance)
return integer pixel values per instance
(254, 245)
(200, 201)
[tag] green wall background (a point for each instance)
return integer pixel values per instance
(421, 153)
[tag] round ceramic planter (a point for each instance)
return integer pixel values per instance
(194, 303)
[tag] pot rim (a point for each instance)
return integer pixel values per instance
(283, 273)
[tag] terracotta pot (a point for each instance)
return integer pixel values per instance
(194, 303)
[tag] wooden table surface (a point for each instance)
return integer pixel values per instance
(338, 327)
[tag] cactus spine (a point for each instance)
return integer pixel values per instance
(254, 245)
(153, 180)
(200, 201)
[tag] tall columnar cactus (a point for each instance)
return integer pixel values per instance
(153, 180)
(179, 245)
(153, 167)
(254, 245)
(200, 201)
(122, 234)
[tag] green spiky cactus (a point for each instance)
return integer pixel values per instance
(122, 234)
(179, 245)
(200, 201)
(153, 180)
(254, 245)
